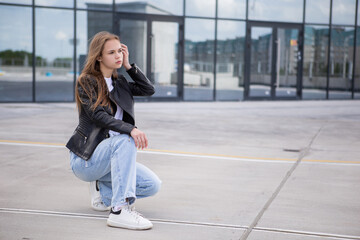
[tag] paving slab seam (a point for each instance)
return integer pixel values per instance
(302, 154)
(195, 155)
(306, 233)
(178, 222)
(95, 216)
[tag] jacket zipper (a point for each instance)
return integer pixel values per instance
(85, 137)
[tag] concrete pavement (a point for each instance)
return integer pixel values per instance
(230, 170)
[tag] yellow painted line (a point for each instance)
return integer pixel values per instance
(32, 143)
(195, 154)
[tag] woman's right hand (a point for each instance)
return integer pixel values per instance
(140, 138)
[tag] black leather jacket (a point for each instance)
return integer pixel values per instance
(94, 125)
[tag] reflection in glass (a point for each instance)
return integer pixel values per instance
(164, 69)
(357, 66)
(200, 8)
(232, 9)
(15, 54)
(55, 3)
(54, 55)
(82, 39)
(89, 23)
(277, 10)
(260, 62)
(94, 4)
(315, 62)
(287, 62)
(151, 6)
(199, 59)
(230, 60)
(133, 33)
(17, 1)
(358, 16)
(341, 62)
(343, 12)
(317, 11)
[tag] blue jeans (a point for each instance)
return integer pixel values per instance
(121, 178)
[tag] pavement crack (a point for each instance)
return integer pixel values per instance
(303, 152)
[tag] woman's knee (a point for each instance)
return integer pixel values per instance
(155, 187)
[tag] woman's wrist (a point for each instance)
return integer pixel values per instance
(127, 67)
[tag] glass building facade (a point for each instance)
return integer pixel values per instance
(198, 50)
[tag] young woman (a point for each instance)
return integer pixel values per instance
(103, 146)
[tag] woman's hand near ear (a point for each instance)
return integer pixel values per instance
(125, 52)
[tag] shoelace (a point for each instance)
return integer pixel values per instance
(98, 202)
(134, 213)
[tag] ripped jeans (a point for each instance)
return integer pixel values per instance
(121, 178)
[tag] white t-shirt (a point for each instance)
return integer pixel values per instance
(119, 111)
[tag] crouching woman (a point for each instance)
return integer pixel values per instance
(103, 146)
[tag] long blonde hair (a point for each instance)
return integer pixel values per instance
(92, 70)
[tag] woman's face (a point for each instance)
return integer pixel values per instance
(112, 57)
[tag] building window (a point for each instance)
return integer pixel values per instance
(58, 3)
(357, 65)
(95, 4)
(343, 12)
(29, 2)
(199, 59)
(54, 54)
(230, 60)
(315, 62)
(232, 9)
(162, 7)
(278, 10)
(317, 11)
(341, 62)
(16, 57)
(200, 8)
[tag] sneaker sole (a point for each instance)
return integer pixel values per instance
(118, 225)
(100, 209)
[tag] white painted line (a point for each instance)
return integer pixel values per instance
(207, 156)
(102, 217)
(217, 157)
(177, 222)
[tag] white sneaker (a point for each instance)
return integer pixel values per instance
(96, 201)
(128, 218)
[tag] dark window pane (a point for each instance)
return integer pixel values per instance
(54, 55)
(94, 4)
(357, 66)
(232, 9)
(55, 3)
(199, 59)
(317, 11)
(174, 7)
(358, 16)
(315, 62)
(15, 54)
(276, 10)
(87, 25)
(261, 61)
(230, 60)
(200, 8)
(341, 62)
(343, 12)
(133, 33)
